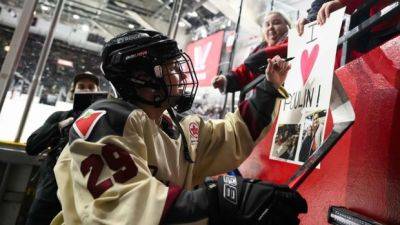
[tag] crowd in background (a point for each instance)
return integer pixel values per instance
(57, 78)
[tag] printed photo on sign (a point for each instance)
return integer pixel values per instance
(302, 116)
(295, 143)
(285, 144)
(312, 134)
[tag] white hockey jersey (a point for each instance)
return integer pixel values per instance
(119, 164)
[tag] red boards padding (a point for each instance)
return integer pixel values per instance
(362, 172)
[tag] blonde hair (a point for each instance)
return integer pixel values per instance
(285, 19)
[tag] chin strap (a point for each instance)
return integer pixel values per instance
(184, 141)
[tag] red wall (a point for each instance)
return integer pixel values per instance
(362, 172)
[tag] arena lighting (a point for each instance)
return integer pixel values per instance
(7, 48)
(120, 4)
(76, 17)
(44, 8)
(85, 27)
(131, 26)
(181, 24)
(193, 14)
(65, 62)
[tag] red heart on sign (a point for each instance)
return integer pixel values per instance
(307, 62)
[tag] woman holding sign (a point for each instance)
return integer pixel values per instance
(275, 28)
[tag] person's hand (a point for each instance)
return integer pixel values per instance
(277, 71)
(300, 25)
(326, 9)
(219, 82)
(244, 201)
(64, 123)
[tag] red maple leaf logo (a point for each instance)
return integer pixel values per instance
(194, 130)
(84, 124)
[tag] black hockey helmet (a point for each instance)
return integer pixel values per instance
(148, 59)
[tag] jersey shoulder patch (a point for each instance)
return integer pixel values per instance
(103, 118)
(194, 131)
(83, 126)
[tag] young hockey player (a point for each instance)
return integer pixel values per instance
(128, 162)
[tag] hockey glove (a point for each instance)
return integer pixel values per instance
(237, 201)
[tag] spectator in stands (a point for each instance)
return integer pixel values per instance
(55, 74)
(51, 138)
(275, 28)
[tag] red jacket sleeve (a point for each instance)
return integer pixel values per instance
(243, 74)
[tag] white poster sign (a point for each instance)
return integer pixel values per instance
(302, 117)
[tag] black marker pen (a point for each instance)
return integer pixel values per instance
(262, 68)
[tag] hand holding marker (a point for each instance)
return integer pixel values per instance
(262, 68)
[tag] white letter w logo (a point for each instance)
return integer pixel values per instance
(200, 57)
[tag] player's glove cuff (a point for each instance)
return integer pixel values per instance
(238, 201)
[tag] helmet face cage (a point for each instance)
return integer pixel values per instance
(181, 82)
(158, 65)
